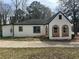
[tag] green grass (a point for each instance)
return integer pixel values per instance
(39, 53)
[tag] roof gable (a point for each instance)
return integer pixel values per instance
(51, 18)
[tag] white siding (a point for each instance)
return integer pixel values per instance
(6, 30)
(28, 30)
(60, 23)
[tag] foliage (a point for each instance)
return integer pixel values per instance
(34, 11)
(38, 11)
(20, 16)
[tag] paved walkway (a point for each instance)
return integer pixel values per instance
(36, 44)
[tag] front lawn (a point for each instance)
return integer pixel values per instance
(39, 53)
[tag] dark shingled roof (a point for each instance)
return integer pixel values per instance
(40, 21)
(34, 22)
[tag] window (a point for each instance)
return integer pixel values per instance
(55, 29)
(20, 29)
(60, 16)
(36, 29)
(65, 31)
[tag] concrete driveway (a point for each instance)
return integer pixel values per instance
(36, 44)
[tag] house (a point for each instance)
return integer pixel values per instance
(56, 27)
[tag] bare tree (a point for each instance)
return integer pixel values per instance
(19, 4)
(24, 5)
(16, 4)
(5, 10)
(71, 8)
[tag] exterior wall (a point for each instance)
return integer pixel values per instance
(6, 30)
(60, 23)
(28, 30)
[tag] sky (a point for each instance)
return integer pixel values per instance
(52, 4)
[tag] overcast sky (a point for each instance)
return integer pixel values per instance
(49, 3)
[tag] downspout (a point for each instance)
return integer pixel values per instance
(74, 17)
(48, 30)
(1, 31)
(13, 30)
(1, 27)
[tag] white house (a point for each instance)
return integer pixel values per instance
(56, 27)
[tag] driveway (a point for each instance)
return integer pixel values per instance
(36, 44)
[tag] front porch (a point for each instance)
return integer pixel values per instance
(60, 33)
